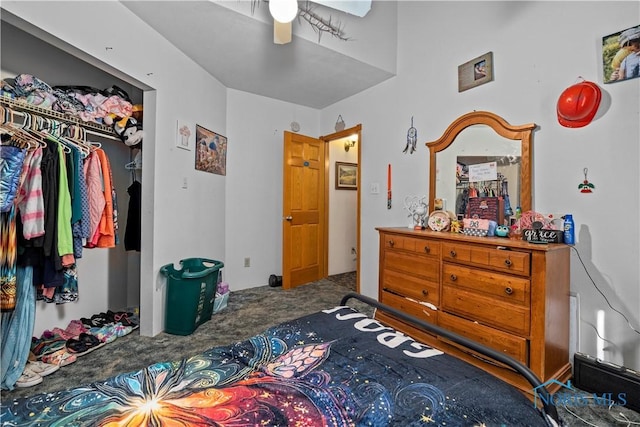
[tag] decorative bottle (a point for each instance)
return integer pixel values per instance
(569, 230)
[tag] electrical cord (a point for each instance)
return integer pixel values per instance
(603, 295)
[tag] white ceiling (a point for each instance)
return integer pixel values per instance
(235, 46)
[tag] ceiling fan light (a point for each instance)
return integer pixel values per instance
(283, 10)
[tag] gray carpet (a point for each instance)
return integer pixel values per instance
(248, 312)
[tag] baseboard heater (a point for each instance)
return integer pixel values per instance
(597, 376)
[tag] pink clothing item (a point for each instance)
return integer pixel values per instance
(115, 105)
(95, 192)
(29, 199)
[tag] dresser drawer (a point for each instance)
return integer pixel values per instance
(416, 265)
(420, 311)
(411, 286)
(485, 309)
(507, 288)
(511, 345)
(426, 247)
(514, 262)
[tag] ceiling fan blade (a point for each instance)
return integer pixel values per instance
(281, 32)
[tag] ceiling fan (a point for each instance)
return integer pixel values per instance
(285, 11)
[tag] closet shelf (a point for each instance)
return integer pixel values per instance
(23, 106)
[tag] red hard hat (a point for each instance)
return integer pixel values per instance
(578, 104)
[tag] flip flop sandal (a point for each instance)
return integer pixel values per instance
(123, 318)
(77, 347)
(60, 358)
(28, 378)
(90, 342)
(100, 320)
(41, 368)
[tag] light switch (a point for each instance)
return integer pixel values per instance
(184, 182)
(375, 188)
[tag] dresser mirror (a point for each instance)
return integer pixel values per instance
(481, 153)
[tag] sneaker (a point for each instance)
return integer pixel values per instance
(28, 379)
(121, 330)
(105, 334)
(41, 368)
(75, 328)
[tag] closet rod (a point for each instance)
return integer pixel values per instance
(90, 127)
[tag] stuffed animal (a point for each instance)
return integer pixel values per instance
(127, 128)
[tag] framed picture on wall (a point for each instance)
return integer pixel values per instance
(475, 72)
(185, 135)
(621, 55)
(211, 151)
(346, 176)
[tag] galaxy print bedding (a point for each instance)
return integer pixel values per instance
(333, 368)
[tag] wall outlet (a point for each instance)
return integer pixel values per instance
(247, 262)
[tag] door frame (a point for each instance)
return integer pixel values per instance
(357, 130)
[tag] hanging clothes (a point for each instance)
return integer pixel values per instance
(17, 327)
(105, 235)
(132, 231)
(8, 264)
(29, 200)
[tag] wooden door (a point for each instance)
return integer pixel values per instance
(303, 213)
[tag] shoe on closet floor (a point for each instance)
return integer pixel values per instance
(28, 379)
(41, 368)
(60, 358)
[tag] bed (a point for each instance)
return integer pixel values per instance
(337, 367)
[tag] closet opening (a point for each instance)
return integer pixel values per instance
(108, 278)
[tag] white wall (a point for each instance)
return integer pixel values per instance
(539, 49)
(253, 202)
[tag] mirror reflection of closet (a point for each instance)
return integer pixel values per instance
(480, 142)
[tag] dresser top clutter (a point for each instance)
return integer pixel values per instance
(507, 293)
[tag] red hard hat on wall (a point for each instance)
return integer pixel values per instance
(578, 104)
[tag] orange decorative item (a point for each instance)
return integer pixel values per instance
(578, 104)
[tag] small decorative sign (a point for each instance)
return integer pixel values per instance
(539, 235)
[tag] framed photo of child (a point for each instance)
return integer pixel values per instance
(621, 55)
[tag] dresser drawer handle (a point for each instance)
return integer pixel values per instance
(453, 277)
(425, 292)
(427, 249)
(452, 253)
(507, 262)
(508, 290)
(391, 243)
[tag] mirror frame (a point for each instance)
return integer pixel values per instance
(523, 133)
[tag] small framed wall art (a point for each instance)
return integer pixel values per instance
(346, 176)
(185, 135)
(476, 72)
(211, 151)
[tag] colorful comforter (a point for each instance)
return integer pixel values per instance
(333, 368)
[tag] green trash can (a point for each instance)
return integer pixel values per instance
(191, 292)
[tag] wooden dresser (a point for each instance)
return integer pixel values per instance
(507, 294)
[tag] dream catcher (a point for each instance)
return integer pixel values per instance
(412, 139)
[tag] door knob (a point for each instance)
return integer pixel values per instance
(289, 218)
